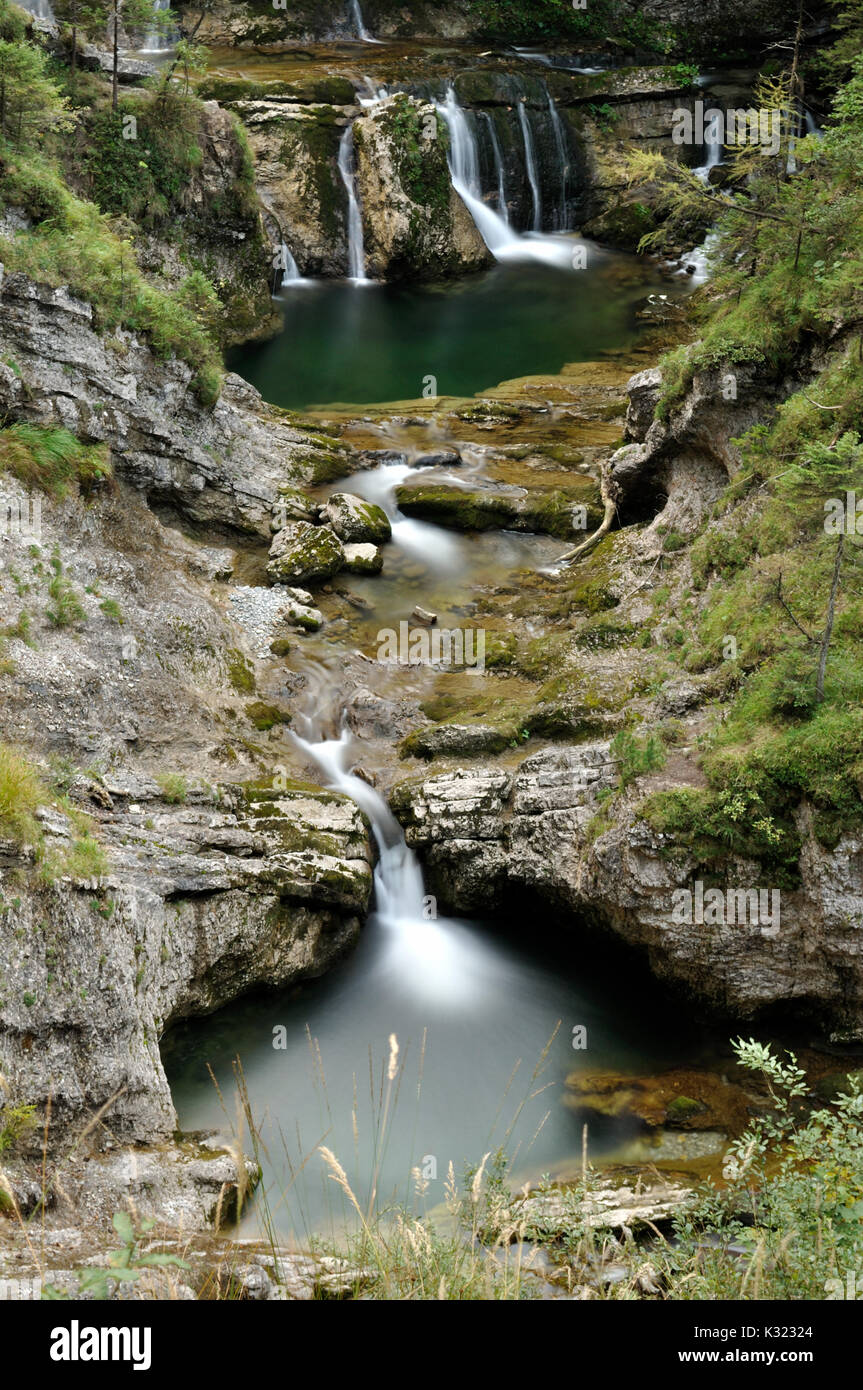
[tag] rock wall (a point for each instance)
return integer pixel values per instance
(416, 225)
(495, 840)
(222, 466)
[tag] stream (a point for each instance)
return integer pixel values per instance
(483, 1014)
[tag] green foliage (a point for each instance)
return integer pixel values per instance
(787, 1225)
(15, 1122)
(144, 178)
(67, 608)
(21, 794)
(636, 756)
(125, 1265)
(173, 786)
(51, 460)
(29, 102)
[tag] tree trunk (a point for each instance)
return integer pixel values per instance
(115, 79)
(828, 630)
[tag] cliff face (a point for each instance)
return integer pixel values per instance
(222, 465)
(220, 873)
(492, 839)
(715, 28)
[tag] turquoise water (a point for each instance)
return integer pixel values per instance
(363, 343)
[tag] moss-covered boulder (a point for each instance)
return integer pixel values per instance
(301, 553)
(416, 226)
(562, 512)
(355, 520)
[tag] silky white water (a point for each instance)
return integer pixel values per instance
(356, 249)
(494, 229)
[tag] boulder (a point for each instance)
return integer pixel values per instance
(355, 520)
(363, 559)
(304, 553)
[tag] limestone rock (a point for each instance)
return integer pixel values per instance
(416, 226)
(304, 553)
(363, 559)
(354, 519)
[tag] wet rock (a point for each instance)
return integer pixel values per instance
(557, 512)
(304, 553)
(424, 616)
(355, 520)
(300, 611)
(363, 559)
(416, 225)
(443, 458)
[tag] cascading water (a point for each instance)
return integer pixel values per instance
(359, 24)
(530, 163)
(40, 8)
(498, 235)
(158, 39)
(498, 167)
(562, 144)
(286, 265)
(356, 248)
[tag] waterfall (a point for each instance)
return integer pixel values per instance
(812, 126)
(362, 32)
(464, 172)
(563, 155)
(498, 167)
(286, 263)
(158, 40)
(356, 249)
(40, 8)
(499, 237)
(530, 161)
(398, 876)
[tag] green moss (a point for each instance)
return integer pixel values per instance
(265, 716)
(240, 673)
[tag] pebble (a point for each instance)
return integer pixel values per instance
(259, 611)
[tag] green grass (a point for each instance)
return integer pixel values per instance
(52, 460)
(22, 792)
(173, 786)
(73, 244)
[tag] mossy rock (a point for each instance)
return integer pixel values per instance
(355, 520)
(554, 512)
(302, 553)
(265, 716)
(455, 740)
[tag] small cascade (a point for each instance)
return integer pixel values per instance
(158, 39)
(356, 247)
(714, 159)
(42, 9)
(498, 167)
(562, 144)
(286, 267)
(812, 126)
(530, 163)
(359, 24)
